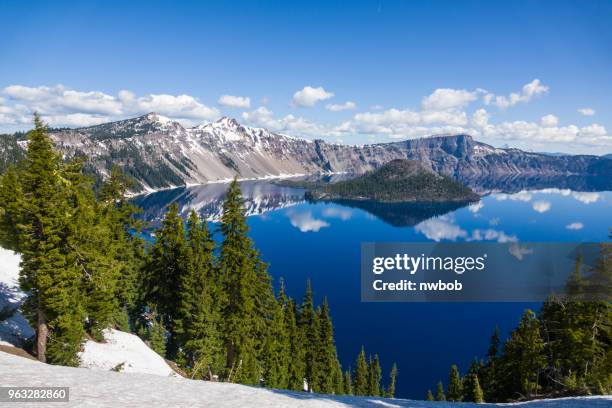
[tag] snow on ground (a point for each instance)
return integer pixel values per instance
(119, 347)
(93, 388)
(123, 348)
(15, 328)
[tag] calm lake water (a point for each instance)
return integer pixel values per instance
(321, 241)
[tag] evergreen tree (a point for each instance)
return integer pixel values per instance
(297, 367)
(360, 381)
(166, 269)
(523, 357)
(490, 381)
(348, 382)
(237, 267)
(308, 323)
(455, 388)
(477, 392)
(429, 396)
(440, 392)
(325, 371)
(469, 383)
(277, 344)
(55, 302)
(392, 381)
(374, 377)
(198, 315)
(11, 204)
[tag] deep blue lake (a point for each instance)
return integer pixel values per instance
(321, 241)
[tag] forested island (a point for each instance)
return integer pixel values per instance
(397, 181)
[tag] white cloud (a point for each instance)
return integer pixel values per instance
(305, 222)
(235, 101)
(480, 118)
(377, 107)
(575, 226)
(587, 111)
(264, 117)
(541, 206)
(527, 93)
(309, 96)
(61, 106)
(446, 98)
(476, 206)
(334, 107)
(549, 120)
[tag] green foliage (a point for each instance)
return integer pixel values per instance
(398, 180)
(374, 377)
(360, 381)
(440, 392)
(392, 381)
(455, 386)
(429, 396)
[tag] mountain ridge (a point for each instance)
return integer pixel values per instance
(161, 153)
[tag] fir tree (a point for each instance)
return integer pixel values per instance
(348, 382)
(469, 383)
(325, 370)
(55, 303)
(429, 396)
(440, 392)
(374, 377)
(11, 204)
(198, 315)
(309, 333)
(297, 368)
(166, 268)
(237, 267)
(455, 388)
(477, 392)
(360, 381)
(392, 381)
(523, 358)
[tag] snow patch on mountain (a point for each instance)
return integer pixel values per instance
(15, 328)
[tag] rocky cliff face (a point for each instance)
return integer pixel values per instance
(160, 153)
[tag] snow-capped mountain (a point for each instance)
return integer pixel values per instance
(161, 153)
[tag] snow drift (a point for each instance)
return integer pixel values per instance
(110, 389)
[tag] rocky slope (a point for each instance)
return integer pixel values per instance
(161, 153)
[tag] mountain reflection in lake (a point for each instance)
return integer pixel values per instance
(322, 241)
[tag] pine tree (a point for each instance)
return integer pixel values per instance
(374, 377)
(277, 344)
(477, 392)
(490, 381)
(55, 304)
(360, 381)
(11, 204)
(440, 392)
(166, 268)
(429, 396)
(469, 383)
(325, 370)
(198, 315)
(523, 357)
(309, 333)
(297, 367)
(392, 381)
(126, 244)
(237, 267)
(455, 388)
(348, 382)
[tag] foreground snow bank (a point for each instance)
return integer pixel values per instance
(110, 389)
(124, 349)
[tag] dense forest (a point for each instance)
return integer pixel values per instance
(209, 307)
(396, 181)
(564, 349)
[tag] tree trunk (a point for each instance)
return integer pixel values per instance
(42, 332)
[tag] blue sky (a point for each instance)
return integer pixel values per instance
(355, 72)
